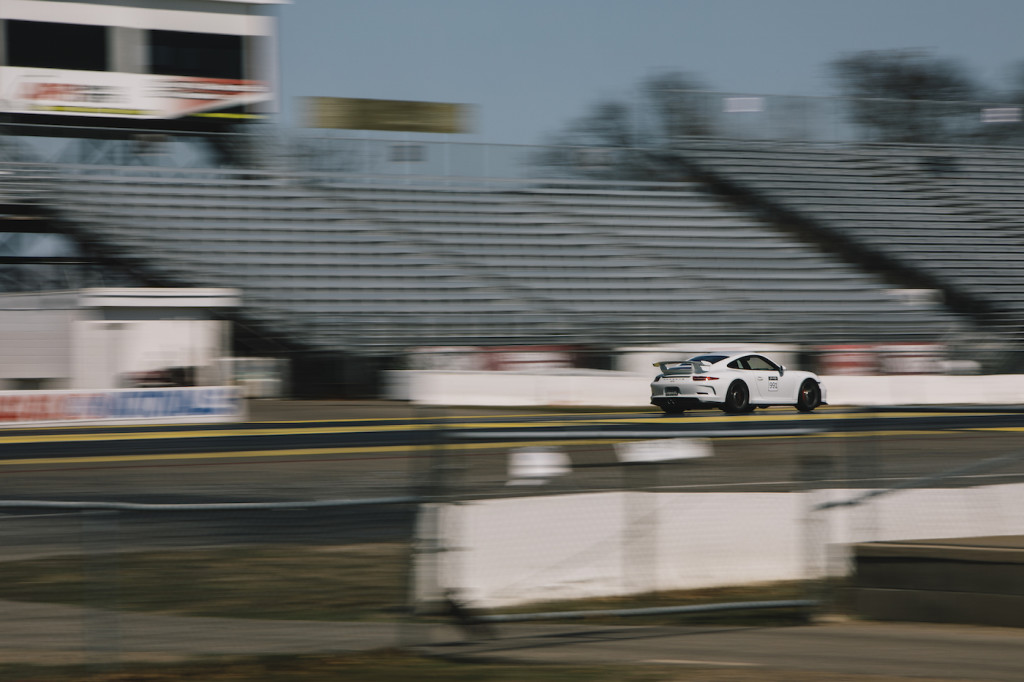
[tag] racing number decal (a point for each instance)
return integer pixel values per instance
(773, 383)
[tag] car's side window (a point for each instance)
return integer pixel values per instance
(757, 362)
(738, 364)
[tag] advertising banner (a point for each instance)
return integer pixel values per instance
(351, 113)
(146, 405)
(122, 95)
(495, 358)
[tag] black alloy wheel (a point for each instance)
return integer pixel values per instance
(809, 396)
(737, 398)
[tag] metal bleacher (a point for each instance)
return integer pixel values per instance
(948, 215)
(376, 265)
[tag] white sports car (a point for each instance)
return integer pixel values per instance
(733, 382)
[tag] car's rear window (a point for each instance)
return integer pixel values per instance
(709, 358)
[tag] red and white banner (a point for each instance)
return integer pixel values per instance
(872, 359)
(122, 95)
(495, 358)
(146, 405)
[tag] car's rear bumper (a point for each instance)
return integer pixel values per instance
(684, 395)
(677, 403)
(687, 389)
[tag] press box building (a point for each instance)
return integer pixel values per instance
(167, 64)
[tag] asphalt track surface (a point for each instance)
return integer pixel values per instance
(293, 452)
(315, 450)
(398, 425)
(886, 652)
(296, 451)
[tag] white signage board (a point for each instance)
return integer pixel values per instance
(663, 450)
(108, 94)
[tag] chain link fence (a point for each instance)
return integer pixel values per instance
(107, 582)
(720, 115)
(579, 530)
(478, 528)
(585, 517)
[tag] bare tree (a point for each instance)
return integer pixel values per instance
(908, 96)
(628, 138)
(1003, 123)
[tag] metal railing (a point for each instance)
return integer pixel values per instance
(719, 115)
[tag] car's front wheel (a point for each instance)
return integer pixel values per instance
(809, 396)
(737, 398)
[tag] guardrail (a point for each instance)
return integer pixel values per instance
(621, 389)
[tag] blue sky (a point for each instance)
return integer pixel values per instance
(531, 66)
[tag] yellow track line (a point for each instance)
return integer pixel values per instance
(384, 449)
(301, 452)
(227, 433)
(470, 425)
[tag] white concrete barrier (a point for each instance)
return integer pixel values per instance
(520, 550)
(509, 389)
(926, 389)
(592, 388)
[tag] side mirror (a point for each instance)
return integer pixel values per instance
(782, 370)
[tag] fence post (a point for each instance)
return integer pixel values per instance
(640, 544)
(427, 555)
(101, 545)
(814, 469)
(865, 463)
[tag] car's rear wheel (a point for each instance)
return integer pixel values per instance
(809, 396)
(737, 398)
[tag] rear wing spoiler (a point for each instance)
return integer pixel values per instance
(681, 366)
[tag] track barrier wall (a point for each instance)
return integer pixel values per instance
(589, 524)
(622, 389)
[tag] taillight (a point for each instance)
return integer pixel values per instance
(705, 378)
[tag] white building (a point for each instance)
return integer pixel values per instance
(120, 62)
(114, 338)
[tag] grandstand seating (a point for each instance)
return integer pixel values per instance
(948, 215)
(373, 265)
